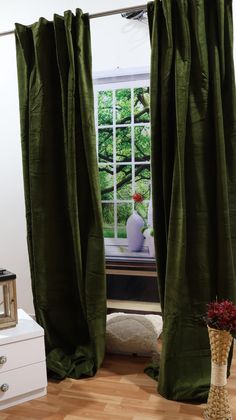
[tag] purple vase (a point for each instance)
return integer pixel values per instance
(134, 227)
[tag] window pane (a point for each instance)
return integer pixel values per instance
(105, 145)
(123, 212)
(123, 144)
(108, 220)
(142, 180)
(123, 106)
(141, 105)
(105, 111)
(124, 182)
(142, 209)
(142, 143)
(106, 182)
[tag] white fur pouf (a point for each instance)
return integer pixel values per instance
(133, 333)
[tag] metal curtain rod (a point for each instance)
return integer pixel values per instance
(98, 15)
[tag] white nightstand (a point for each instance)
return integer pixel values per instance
(22, 362)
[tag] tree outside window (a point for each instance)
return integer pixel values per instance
(123, 147)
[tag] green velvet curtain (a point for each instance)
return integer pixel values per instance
(193, 124)
(64, 224)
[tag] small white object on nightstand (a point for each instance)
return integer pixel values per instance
(23, 375)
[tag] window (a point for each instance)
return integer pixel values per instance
(123, 149)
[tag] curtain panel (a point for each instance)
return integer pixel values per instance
(63, 210)
(193, 131)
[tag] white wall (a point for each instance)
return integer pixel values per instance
(116, 44)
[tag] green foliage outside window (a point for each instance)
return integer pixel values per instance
(123, 106)
(123, 155)
(105, 108)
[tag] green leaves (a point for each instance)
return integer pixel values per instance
(123, 154)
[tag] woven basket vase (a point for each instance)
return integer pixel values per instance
(218, 402)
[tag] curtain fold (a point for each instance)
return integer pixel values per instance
(193, 130)
(63, 210)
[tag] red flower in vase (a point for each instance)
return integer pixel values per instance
(137, 197)
(221, 316)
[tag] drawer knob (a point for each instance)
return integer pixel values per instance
(4, 387)
(3, 360)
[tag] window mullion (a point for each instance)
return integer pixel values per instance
(132, 145)
(114, 161)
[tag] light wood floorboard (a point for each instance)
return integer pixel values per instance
(119, 391)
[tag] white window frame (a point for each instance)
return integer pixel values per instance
(112, 81)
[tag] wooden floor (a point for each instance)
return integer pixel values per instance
(119, 391)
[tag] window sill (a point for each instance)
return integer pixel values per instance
(121, 252)
(137, 306)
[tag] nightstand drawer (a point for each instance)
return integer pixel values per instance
(22, 381)
(21, 353)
